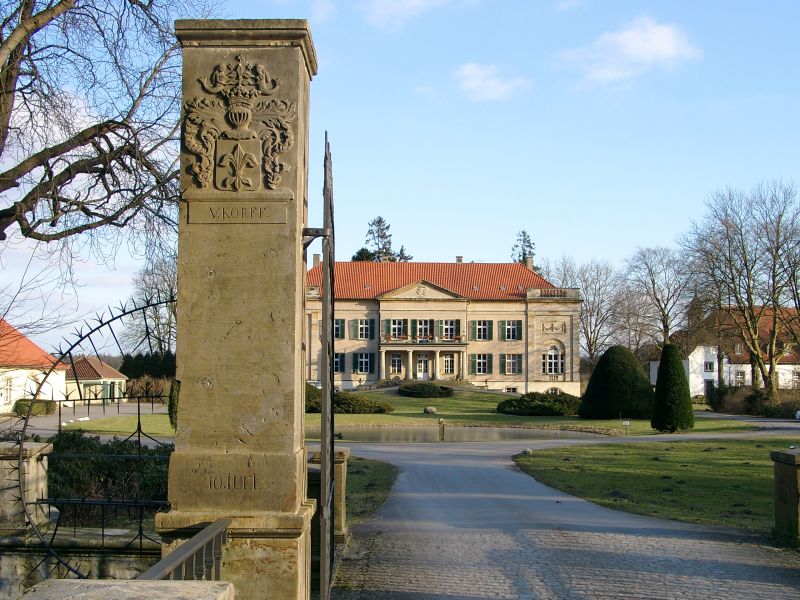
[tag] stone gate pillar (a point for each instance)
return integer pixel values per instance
(239, 446)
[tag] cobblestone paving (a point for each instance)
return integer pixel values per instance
(435, 542)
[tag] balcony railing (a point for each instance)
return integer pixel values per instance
(554, 293)
(423, 339)
(199, 558)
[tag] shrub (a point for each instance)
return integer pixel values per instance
(425, 390)
(672, 403)
(543, 405)
(172, 404)
(313, 399)
(618, 387)
(356, 404)
(40, 407)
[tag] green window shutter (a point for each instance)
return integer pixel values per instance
(519, 364)
(405, 327)
(458, 327)
(491, 324)
(372, 329)
(430, 328)
(473, 330)
(544, 363)
(371, 362)
(519, 330)
(341, 328)
(354, 329)
(489, 364)
(387, 328)
(502, 326)
(413, 329)
(440, 327)
(473, 364)
(502, 364)
(355, 362)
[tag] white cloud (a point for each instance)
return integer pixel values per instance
(481, 82)
(393, 12)
(622, 55)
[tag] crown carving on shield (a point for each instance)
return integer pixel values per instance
(239, 84)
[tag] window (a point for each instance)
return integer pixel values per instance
(708, 366)
(480, 364)
(739, 377)
(511, 390)
(423, 329)
(738, 348)
(796, 379)
(552, 391)
(395, 362)
(512, 329)
(363, 362)
(338, 329)
(553, 361)
(481, 330)
(448, 329)
(338, 362)
(398, 328)
(5, 391)
(511, 364)
(363, 329)
(449, 364)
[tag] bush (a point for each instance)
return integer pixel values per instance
(40, 407)
(542, 405)
(345, 403)
(172, 405)
(313, 399)
(356, 404)
(672, 403)
(618, 387)
(425, 390)
(748, 400)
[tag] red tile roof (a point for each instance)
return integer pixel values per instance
(17, 351)
(90, 367)
(475, 281)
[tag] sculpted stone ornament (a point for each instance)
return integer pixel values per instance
(237, 134)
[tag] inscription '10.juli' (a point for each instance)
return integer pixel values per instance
(232, 482)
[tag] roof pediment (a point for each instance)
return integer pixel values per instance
(420, 290)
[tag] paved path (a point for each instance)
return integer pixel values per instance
(463, 523)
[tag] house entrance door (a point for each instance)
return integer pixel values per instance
(422, 367)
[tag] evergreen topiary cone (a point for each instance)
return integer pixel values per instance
(618, 386)
(672, 408)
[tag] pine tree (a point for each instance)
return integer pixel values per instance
(672, 408)
(378, 239)
(523, 248)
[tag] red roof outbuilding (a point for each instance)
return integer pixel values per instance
(17, 351)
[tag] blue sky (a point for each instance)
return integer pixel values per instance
(597, 126)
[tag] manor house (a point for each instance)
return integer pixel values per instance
(500, 326)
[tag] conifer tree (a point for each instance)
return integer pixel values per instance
(672, 407)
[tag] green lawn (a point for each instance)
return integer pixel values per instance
(466, 407)
(368, 485)
(716, 482)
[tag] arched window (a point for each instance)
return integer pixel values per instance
(553, 361)
(552, 391)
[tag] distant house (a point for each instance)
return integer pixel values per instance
(24, 369)
(715, 348)
(89, 378)
(500, 326)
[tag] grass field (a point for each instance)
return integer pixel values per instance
(368, 485)
(719, 482)
(466, 407)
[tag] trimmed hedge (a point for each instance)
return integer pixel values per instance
(425, 390)
(346, 403)
(618, 387)
(541, 405)
(40, 407)
(672, 407)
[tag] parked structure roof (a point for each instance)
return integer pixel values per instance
(18, 351)
(474, 281)
(92, 368)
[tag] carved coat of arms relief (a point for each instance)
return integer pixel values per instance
(238, 131)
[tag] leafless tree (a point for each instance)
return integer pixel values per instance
(634, 322)
(659, 276)
(740, 248)
(157, 281)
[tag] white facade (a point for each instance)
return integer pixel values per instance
(18, 383)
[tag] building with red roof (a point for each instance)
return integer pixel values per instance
(26, 369)
(498, 325)
(90, 379)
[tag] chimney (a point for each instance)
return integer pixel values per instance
(316, 260)
(529, 262)
(459, 259)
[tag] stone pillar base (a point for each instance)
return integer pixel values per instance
(268, 555)
(786, 467)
